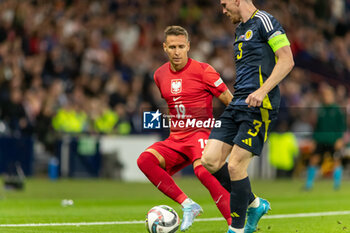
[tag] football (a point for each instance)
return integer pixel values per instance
(162, 219)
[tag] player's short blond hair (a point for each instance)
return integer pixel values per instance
(175, 31)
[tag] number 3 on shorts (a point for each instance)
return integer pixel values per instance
(257, 128)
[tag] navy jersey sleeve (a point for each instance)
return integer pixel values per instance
(272, 31)
(268, 25)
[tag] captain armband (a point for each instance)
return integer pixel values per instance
(277, 41)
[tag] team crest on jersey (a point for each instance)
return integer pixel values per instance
(248, 35)
(176, 86)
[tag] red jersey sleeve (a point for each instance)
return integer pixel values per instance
(213, 81)
(155, 79)
(157, 83)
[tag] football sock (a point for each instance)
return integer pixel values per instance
(310, 176)
(337, 175)
(187, 201)
(239, 201)
(253, 198)
(219, 194)
(255, 203)
(149, 165)
(223, 176)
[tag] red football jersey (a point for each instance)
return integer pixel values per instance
(189, 94)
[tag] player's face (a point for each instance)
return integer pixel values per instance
(230, 9)
(177, 47)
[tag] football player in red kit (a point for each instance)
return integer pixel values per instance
(188, 86)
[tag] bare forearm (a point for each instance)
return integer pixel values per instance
(280, 71)
(283, 66)
(226, 97)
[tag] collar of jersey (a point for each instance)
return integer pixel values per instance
(256, 11)
(183, 69)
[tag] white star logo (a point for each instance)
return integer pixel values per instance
(156, 115)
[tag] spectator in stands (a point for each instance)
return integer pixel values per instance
(14, 115)
(93, 47)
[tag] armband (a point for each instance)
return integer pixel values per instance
(278, 42)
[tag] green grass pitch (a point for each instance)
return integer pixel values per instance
(111, 201)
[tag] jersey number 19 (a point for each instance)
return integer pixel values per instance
(181, 111)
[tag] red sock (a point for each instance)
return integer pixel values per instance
(149, 165)
(219, 194)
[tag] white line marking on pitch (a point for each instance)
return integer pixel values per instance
(276, 216)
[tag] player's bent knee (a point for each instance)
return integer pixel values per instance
(235, 170)
(140, 161)
(146, 160)
(210, 164)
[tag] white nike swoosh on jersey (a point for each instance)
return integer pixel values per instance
(175, 99)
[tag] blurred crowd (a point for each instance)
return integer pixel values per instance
(82, 66)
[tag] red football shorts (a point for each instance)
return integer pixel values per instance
(179, 153)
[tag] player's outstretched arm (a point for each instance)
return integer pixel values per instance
(283, 66)
(226, 97)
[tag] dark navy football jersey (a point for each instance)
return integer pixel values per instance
(255, 43)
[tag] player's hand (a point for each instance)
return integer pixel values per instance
(256, 98)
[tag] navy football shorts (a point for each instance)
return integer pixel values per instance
(246, 129)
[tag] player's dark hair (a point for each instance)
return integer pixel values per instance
(175, 31)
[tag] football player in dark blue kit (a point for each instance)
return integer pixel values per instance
(263, 58)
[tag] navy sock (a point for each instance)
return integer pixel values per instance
(223, 176)
(239, 201)
(251, 197)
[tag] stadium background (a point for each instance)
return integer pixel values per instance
(76, 76)
(86, 67)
